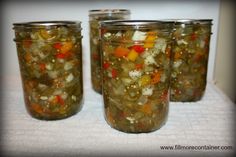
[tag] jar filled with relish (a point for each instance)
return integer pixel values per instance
(95, 17)
(135, 67)
(50, 60)
(191, 40)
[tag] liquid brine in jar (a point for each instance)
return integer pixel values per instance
(95, 17)
(136, 67)
(191, 39)
(50, 59)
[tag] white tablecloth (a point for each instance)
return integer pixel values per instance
(206, 122)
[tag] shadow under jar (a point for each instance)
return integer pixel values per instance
(50, 59)
(95, 17)
(136, 68)
(191, 39)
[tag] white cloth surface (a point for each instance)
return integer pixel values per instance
(206, 122)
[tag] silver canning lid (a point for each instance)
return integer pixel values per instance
(139, 24)
(108, 11)
(190, 21)
(43, 24)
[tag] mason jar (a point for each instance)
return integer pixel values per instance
(191, 40)
(95, 17)
(135, 67)
(50, 60)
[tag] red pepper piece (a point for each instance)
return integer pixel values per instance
(138, 48)
(139, 66)
(60, 100)
(95, 56)
(57, 46)
(164, 96)
(42, 66)
(103, 31)
(113, 73)
(27, 43)
(63, 55)
(106, 65)
(193, 36)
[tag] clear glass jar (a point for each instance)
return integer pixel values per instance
(50, 60)
(190, 58)
(136, 67)
(95, 17)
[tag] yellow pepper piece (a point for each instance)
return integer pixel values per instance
(67, 46)
(145, 80)
(152, 33)
(149, 41)
(150, 38)
(45, 34)
(132, 55)
(147, 109)
(148, 44)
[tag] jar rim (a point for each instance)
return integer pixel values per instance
(108, 11)
(189, 21)
(134, 23)
(40, 24)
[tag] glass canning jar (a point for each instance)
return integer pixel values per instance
(191, 40)
(95, 17)
(135, 68)
(50, 60)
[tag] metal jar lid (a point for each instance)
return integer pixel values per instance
(189, 21)
(47, 24)
(108, 12)
(135, 24)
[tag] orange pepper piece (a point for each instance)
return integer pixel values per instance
(146, 109)
(177, 55)
(28, 57)
(29, 85)
(67, 46)
(139, 66)
(198, 56)
(121, 51)
(109, 116)
(156, 77)
(168, 51)
(37, 108)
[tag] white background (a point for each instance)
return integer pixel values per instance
(87, 133)
(78, 10)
